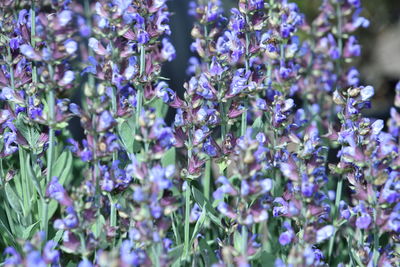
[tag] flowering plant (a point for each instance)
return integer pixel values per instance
(269, 161)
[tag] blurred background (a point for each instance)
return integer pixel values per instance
(379, 64)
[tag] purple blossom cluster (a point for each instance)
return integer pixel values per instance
(243, 176)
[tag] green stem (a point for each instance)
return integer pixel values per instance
(139, 105)
(50, 151)
(154, 249)
(139, 93)
(24, 183)
(337, 202)
(113, 216)
(187, 217)
(244, 241)
(142, 60)
(207, 178)
(11, 68)
(375, 253)
(175, 230)
(5, 204)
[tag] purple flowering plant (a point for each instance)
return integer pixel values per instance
(241, 177)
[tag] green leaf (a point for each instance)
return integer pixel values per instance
(72, 264)
(267, 257)
(62, 169)
(222, 166)
(199, 225)
(61, 162)
(175, 254)
(161, 108)
(237, 241)
(26, 233)
(126, 132)
(203, 202)
(97, 227)
(258, 126)
(58, 236)
(207, 252)
(13, 199)
(29, 133)
(5, 232)
(169, 157)
(33, 175)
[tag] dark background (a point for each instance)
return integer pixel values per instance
(379, 64)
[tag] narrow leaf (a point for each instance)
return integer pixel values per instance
(169, 157)
(198, 226)
(13, 199)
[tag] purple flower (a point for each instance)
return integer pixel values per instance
(168, 51)
(325, 233)
(239, 82)
(105, 121)
(285, 30)
(215, 68)
(122, 5)
(195, 213)
(13, 257)
(162, 22)
(85, 263)
(286, 238)
(34, 259)
(68, 77)
(97, 47)
(352, 48)
(366, 92)
(307, 188)
(70, 46)
(156, 210)
(394, 219)
(284, 72)
(224, 188)
(377, 127)
(23, 16)
(200, 135)
(51, 255)
(86, 155)
(363, 221)
(56, 191)
(107, 184)
(143, 37)
(237, 20)
(194, 63)
(256, 4)
(164, 92)
(29, 52)
(138, 195)
(352, 77)
(355, 3)
(209, 147)
(266, 185)
(69, 222)
(14, 43)
(10, 143)
(64, 17)
(226, 210)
